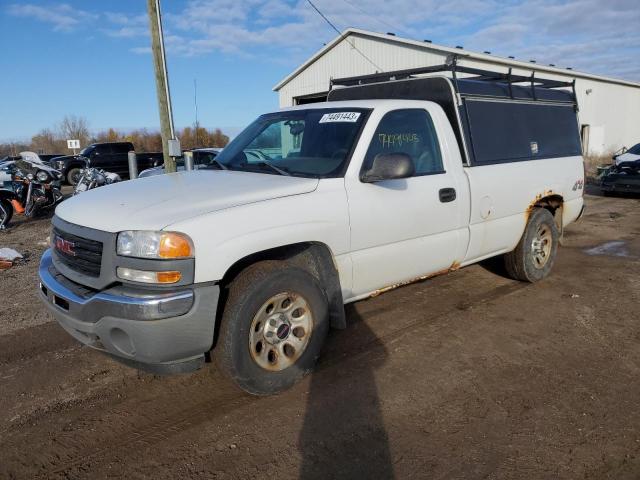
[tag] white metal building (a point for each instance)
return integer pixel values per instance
(609, 108)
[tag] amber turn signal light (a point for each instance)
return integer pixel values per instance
(174, 245)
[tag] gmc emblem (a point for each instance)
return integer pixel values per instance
(65, 246)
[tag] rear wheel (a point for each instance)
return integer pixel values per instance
(273, 327)
(535, 254)
(73, 176)
(6, 212)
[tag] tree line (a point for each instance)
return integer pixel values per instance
(54, 140)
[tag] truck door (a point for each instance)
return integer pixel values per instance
(407, 228)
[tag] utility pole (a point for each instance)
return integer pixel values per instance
(162, 85)
(195, 104)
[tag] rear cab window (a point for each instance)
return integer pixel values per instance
(120, 148)
(103, 149)
(408, 131)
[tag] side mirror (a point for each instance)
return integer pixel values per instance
(389, 166)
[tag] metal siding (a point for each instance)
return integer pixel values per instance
(610, 107)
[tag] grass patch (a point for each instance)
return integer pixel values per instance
(592, 162)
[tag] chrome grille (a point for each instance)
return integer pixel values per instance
(77, 253)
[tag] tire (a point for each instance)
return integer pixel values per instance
(535, 254)
(8, 212)
(73, 175)
(256, 312)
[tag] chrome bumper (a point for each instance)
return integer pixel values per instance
(161, 331)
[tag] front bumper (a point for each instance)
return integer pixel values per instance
(159, 331)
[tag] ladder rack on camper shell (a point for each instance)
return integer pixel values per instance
(534, 84)
(495, 118)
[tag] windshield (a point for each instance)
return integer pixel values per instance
(86, 151)
(309, 143)
(635, 149)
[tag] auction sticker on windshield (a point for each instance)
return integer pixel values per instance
(340, 117)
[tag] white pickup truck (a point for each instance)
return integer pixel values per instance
(250, 261)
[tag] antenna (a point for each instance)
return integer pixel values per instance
(195, 105)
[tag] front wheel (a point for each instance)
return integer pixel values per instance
(73, 176)
(273, 327)
(6, 212)
(535, 254)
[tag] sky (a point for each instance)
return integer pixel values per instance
(92, 58)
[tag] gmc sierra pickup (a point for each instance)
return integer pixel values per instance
(251, 260)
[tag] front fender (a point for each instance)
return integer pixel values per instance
(223, 237)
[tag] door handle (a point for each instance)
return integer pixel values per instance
(447, 194)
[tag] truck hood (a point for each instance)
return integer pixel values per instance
(153, 203)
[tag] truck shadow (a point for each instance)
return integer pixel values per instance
(495, 265)
(343, 435)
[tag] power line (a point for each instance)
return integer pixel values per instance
(342, 37)
(379, 20)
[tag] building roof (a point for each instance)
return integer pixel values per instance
(507, 62)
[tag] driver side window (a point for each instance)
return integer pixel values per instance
(408, 131)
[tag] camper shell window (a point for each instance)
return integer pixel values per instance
(499, 132)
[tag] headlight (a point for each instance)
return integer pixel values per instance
(60, 164)
(158, 245)
(42, 176)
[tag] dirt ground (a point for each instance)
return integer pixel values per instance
(468, 375)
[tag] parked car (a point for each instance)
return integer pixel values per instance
(312, 207)
(202, 157)
(623, 177)
(630, 155)
(112, 157)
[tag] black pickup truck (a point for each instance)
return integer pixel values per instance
(111, 157)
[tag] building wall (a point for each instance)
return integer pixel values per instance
(609, 109)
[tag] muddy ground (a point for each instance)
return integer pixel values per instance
(469, 375)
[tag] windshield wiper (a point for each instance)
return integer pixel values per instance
(219, 163)
(273, 167)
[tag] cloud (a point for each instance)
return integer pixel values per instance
(126, 26)
(63, 17)
(287, 27)
(140, 50)
(584, 34)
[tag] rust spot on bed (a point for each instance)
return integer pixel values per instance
(454, 266)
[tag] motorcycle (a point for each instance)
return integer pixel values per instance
(32, 192)
(91, 178)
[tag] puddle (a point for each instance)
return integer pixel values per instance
(612, 249)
